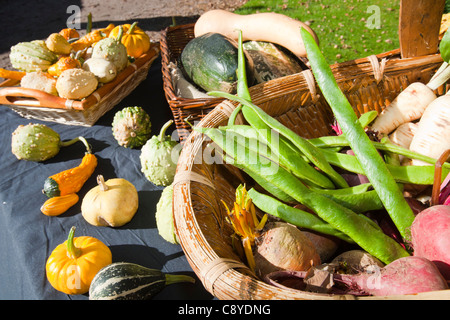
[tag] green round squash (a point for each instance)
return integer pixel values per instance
(35, 142)
(211, 62)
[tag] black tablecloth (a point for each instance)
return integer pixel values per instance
(27, 237)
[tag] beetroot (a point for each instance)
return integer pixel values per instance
(406, 275)
(430, 237)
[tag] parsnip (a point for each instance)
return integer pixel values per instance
(409, 105)
(404, 134)
(433, 131)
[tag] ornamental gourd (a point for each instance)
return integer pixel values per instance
(63, 64)
(134, 39)
(37, 142)
(159, 157)
(71, 180)
(32, 56)
(72, 265)
(112, 50)
(131, 127)
(58, 205)
(130, 281)
(112, 203)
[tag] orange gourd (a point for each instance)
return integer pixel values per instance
(92, 37)
(58, 205)
(69, 33)
(62, 64)
(134, 39)
(72, 265)
(71, 180)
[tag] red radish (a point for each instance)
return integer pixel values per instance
(430, 237)
(408, 106)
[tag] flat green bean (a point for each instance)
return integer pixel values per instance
(280, 152)
(295, 216)
(363, 232)
(253, 114)
(374, 167)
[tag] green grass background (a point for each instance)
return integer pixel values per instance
(346, 29)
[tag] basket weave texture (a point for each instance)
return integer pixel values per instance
(35, 104)
(369, 84)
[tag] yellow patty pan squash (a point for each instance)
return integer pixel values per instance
(72, 265)
(134, 39)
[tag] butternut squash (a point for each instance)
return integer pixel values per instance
(266, 26)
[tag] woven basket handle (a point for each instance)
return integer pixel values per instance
(31, 97)
(419, 27)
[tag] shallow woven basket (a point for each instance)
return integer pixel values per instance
(199, 186)
(36, 104)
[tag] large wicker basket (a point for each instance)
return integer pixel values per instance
(36, 104)
(369, 83)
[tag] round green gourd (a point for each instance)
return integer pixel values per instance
(130, 281)
(112, 50)
(159, 157)
(131, 127)
(211, 61)
(35, 142)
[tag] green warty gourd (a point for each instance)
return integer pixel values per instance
(159, 158)
(35, 142)
(131, 127)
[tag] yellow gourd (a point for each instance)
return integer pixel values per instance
(72, 265)
(134, 39)
(112, 203)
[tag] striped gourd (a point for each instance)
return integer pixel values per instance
(32, 56)
(130, 281)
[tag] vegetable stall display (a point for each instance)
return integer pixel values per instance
(68, 65)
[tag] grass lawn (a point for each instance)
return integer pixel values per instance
(347, 29)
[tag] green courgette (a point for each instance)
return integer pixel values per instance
(130, 281)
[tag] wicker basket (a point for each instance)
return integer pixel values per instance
(173, 41)
(199, 186)
(35, 104)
